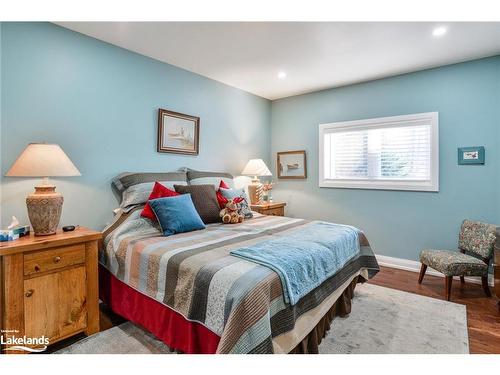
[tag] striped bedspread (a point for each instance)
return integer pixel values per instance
(194, 274)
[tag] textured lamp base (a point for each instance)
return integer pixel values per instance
(44, 209)
(256, 192)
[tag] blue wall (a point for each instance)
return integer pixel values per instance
(100, 103)
(398, 223)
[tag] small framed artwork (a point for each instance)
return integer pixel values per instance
(471, 155)
(178, 133)
(292, 164)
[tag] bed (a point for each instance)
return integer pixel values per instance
(194, 295)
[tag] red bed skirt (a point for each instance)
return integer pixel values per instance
(166, 324)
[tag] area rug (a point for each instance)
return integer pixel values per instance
(388, 321)
(382, 320)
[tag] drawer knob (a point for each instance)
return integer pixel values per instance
(37, 268)
(57, 259)
(29, 293)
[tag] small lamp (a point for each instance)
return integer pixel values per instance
(44, 205)
(256, 168)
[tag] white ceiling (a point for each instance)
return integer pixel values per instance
(315, 56)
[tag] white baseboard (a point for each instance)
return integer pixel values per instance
(414, 266)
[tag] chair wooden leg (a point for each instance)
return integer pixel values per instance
(462, 280)
(486, 287)
(448, 281)
(423, 268)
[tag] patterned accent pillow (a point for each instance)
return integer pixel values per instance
(213, 178)
(204, 199)
(159, 191)
(134, 188)
(244, 208)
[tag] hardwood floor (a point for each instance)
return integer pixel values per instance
(483, 317)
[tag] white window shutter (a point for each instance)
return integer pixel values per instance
(399, 152)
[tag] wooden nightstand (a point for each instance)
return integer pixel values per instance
(49, 285)
(274, 208)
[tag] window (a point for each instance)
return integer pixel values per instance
(393, 153)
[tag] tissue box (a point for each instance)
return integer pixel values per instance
(8, 235)
(14, 233)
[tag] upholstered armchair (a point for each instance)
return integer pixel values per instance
(476, 242)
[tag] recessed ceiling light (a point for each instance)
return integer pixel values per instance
(281, 75)
(439, 31)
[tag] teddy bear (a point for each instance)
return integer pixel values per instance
(230, 214)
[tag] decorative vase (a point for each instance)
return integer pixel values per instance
(44, 209)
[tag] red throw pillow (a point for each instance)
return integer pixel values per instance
(159, 191)
(220, 198)
(223, 185)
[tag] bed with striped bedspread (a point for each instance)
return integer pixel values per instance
(240, 301)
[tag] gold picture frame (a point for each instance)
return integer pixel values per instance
(292, 165)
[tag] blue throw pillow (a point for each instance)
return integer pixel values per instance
(176, 214)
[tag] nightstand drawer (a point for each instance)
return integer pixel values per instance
(48, 260)
(275, 211)
(272, 209)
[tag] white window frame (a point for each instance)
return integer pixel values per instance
(384, 184)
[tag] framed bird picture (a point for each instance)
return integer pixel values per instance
(292, 165)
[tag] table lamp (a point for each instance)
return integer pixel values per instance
(256, 168)
(44, 205)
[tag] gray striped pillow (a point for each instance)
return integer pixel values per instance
(135, 188)
(209, 178)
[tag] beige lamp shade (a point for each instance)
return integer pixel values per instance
(256, 167)
(45, 204)
(43, 160)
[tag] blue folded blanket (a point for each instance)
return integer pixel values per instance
(305, 258)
